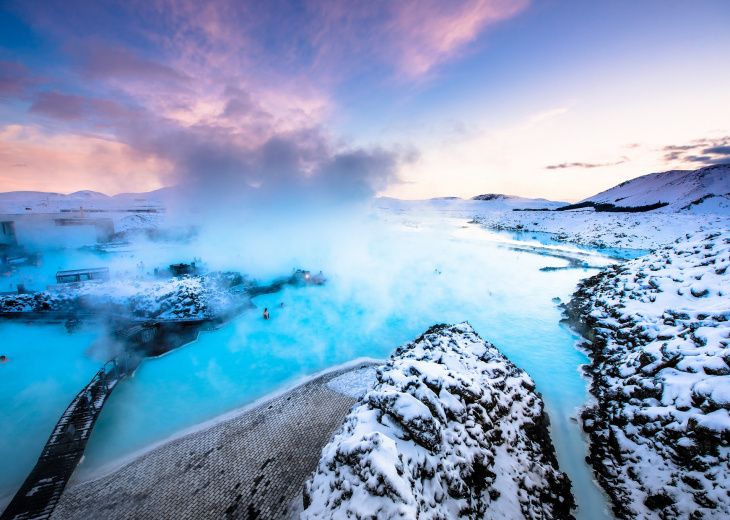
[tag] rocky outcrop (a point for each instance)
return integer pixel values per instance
(451, 429)
(186, 297)
(658, 332)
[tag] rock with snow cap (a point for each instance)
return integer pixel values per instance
(658, 338)
(451, 429)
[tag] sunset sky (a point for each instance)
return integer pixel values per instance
(414, 99)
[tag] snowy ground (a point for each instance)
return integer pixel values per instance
(659, 335)
(648, 230)
(451, 429)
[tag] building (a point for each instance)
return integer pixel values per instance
(36, 230)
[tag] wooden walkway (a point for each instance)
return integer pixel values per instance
(41, 491)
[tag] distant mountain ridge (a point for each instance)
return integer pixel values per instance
(493, 196)
(489, 201)
(14, 202)
(706, 190)
(40, 195)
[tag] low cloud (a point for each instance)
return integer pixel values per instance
(703, 151)
(718, 150)
(585, 165)
(300, 170)
(97, 112)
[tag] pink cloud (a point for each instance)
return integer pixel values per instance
(224, 86)
(33, 160)
(429, 33)
(413, 36)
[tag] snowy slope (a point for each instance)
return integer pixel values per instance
(679, 188)
(659, 338)
(451, 429)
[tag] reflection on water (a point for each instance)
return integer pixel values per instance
(382, 291)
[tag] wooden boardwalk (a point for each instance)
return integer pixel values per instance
(40, 492)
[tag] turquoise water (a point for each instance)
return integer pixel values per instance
(47, 368)
(383, 290)
(122, 265)
(547, 239)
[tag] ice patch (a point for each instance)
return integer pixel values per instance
(354, 383)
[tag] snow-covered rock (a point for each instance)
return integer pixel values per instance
(190, 297)
(659, 330)
(451, 429)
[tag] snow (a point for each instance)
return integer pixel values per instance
(488, 202)
(681, 189)
(450, 429)
(659, 328)
(641, 231)
(355, 383)
(198, 296)
(128, 211)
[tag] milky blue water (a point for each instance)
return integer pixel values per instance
(47, 368)
(382, 291)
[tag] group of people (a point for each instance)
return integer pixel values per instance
(266, 311)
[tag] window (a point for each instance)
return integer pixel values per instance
(8, 228)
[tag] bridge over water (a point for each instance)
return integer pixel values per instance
(40, 492)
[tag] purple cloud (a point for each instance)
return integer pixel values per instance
(15, 80)
(706, 151)
(585, 165)
(58, 105)
(101, 61)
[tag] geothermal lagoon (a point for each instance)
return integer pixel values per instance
(383, 290)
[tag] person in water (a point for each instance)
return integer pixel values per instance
(266, 314)
(3, 359)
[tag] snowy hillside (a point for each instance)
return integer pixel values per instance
(13, 202)
(659, 338)
(41, 196)
(451, 429)
(703, 190)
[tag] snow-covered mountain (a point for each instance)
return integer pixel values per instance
(50, 202)
(41, 196)
(706, 190)
(491, 201)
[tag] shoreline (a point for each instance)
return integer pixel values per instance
(118, 464)
(250, 461)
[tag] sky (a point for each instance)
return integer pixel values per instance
(345, 100)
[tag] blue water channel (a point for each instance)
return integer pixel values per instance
(380, 294)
